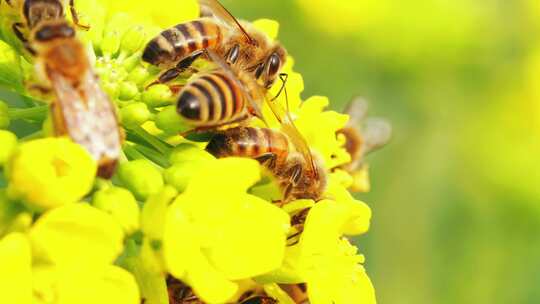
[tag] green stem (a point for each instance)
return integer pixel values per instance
(155, 142)
(28, 113)
(153, 155)
(133, 154)
(35, 135)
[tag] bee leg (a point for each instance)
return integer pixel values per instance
(75, 16)
(186, 63)
(180, 67)
(295, 174)
(16, 27)
(215, 127)
(8, 2)
(259, 300)
(267, 159)
(39, 88)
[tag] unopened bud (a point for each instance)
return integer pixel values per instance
(141, 177)
(121, 204)
(169, 121)
(135, 114)
(158, 95)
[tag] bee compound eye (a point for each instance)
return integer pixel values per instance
(274, 64)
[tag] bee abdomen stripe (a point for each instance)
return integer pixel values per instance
(218, 89)
(236, 102)
(175, 38)
(199, 26)
(189, 35)
(207, 103)
(268, 135)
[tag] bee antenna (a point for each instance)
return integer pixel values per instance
(284, 77)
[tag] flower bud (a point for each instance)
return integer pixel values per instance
(185, 153)
(139, 76)
(134, 114)
(4, 115)
(169, 121)
(128, 90)
(50, 172)
(110, 44)
(158, 95)
(8, 142)
(112, 89)
(179, 175)
(133, 39)
(121, 204)
(141, 177)
(132, 61)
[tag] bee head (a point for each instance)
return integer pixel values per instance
(268, 71)
(54, 30)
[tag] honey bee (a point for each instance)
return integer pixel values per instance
(273, 149)
(80, 110)
(239, 43)
(363, 135)
(34, 12)
(252, 61)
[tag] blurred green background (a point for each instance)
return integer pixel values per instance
(456, 195)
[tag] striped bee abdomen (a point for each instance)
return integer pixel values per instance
(210, 100)
(250, 142)
(180, 41)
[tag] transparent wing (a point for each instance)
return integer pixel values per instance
(288, 127)
(357, 110)
(377, 132)
(87, 116)
(216, 9)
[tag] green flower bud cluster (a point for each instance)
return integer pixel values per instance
(171, 209)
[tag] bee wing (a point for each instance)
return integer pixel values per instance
(377, 132)
(288, 127)
(87, 116)
(357, 110)
(216, 9)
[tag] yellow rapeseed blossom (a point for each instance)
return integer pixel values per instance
(83, 285)
(15, 265)
(222, 225)
(172, 208)
(98, 238)
(50, 172)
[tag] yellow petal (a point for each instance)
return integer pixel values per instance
(50, 172)
(75, 234)
(15, 270)
(267, 26)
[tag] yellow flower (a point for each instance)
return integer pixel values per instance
(50, 172)
(328, 262)
(75, 234)
(121, 204)
(105, 284)
(227, 234)
(15, 265)
(165, 13)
